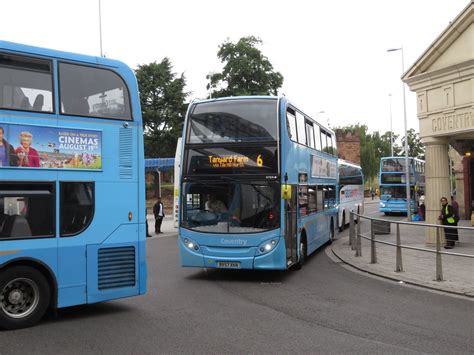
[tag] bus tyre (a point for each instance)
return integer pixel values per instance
(303, 253)
(24, 297)
(343, 224)
(331, 232)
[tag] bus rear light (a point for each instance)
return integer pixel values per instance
(271, 216)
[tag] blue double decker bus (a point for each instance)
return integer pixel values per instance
(392, 182)
(72, 195)
(258, 184)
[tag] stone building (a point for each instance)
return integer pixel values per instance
(443, 79)
(348, 145)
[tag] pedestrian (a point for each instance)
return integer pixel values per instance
(455, 205)
(422, 207)
(448, 218)
(372, 193)
(159, 212)
(148, 235)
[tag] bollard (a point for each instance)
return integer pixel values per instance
(351, 231)
(399, 265)
(373, 251)
(358, 245)
(439, 266)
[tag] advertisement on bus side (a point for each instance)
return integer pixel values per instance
(26, 146)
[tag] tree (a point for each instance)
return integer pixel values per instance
(384, 148)
(416, 148)
(162, 100)
(246, 71)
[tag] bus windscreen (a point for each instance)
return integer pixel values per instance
(231, 121)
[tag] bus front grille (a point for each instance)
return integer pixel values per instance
(116, 267)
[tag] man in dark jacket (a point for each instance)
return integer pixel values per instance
(449, 218)
(8, 156)
(159, 212)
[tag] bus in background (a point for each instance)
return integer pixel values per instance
(258, 184)
(177, 178)
(72, 193)
(350, 191)
(392, 181)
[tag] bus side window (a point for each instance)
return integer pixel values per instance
(291, 125)
(27, 210)
(312, 200)
(317, 137)
(77, 207)
(320, 198)
(310, 134)
(301, 128)
(324, 144)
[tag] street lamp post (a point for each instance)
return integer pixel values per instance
(391, 129)
(407, 169)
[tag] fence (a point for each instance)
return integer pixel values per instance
(383, 226)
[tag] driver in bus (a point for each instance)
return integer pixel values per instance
(215, 205)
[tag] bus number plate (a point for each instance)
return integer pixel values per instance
(229, 264)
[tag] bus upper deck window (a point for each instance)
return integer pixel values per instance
(26, 83)
(93, 92)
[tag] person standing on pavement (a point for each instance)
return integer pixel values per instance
(448, 217)
(455, 205)
(159, 212)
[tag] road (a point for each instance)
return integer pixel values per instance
(322, 308)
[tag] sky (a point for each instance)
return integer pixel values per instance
(332, 54)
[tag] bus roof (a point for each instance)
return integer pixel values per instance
(401, 157)
(45, 52)
(264, 97)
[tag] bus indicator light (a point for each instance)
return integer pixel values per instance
(130, 215)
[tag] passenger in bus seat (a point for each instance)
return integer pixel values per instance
(39, 102)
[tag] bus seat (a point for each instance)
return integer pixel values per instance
(39, 102)
(15, 226)
(3, 218)
(25, 104)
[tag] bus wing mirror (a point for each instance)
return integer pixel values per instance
(286, 192)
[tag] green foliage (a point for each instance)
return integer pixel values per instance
(246, 71)
(415, 147)
(162, 100)
(374, 146)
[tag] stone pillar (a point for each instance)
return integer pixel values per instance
(437, 183)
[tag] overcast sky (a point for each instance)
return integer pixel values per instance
(332, 54)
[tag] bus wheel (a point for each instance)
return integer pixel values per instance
(24, 297)
(331, 233)
(343, 224)
(303, 252)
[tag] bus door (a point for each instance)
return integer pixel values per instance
(291, 227)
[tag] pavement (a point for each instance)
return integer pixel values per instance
(419, 267)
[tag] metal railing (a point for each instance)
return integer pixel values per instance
(355, 237)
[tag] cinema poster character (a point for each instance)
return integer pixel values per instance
(51, 147)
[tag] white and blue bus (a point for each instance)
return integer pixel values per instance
(258, 184)
(72, 193)
(350, 187)
(392, 181)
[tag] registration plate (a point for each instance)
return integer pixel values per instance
(229, 264)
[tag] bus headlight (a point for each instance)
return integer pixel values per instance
(191, 244)
(267, 246)
(382, 204)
